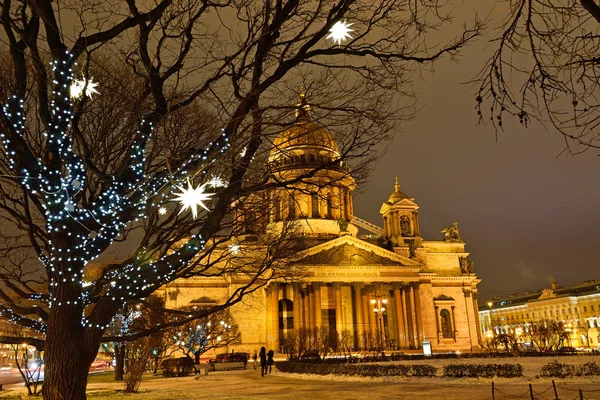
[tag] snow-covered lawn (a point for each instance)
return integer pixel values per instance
(248, 384)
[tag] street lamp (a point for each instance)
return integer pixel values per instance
(378, 304)
(490, 304)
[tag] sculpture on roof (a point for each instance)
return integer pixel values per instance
(451, 234)
(466, 265)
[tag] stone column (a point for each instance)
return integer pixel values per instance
(297, 305)
(472, 327)
(398, 314)
(368, 311)
(419, 316)
(308, 308)
(417, 233)
(358, 312)
(273, 317)
(453, 324)
(477, 320)
(437, 322)
(317, 304)
(405, 319)
(339, 314)
(414, 316)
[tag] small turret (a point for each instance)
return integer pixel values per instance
(400, 218)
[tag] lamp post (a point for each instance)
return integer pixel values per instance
(490, 304)
(378, 304)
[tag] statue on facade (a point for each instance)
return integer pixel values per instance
(412, 249)
(343, 224)
(451, 233)
(466, 266)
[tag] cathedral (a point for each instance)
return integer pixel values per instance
(388, 285)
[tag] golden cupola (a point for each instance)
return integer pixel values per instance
(321, 201)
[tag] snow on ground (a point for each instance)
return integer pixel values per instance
(248, 384)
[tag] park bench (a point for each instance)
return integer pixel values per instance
(201, 369)
(227, 365)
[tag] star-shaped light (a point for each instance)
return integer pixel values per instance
(192, 198)
(243, 153)
(216, 181)
(162, 211)
(78, 86)
(340, 32)
(234, 248)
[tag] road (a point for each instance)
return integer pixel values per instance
(12, 378)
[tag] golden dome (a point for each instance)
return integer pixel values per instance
(304, 133)
(397, 195)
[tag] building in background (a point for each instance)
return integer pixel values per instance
(577, 307)
(390, 286)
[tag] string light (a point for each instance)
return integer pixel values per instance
(91, 229)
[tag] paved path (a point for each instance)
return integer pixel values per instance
(249, 384)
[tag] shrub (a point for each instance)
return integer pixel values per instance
(560, 370)
(483, 370)
(181, 366)
(357, 369)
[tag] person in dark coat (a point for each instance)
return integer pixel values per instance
(263, 361)
(270, 361)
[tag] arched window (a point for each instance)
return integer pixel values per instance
(314, 200)
(404, 226)
(446, 323)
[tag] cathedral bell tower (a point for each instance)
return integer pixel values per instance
(320, 202)
(400, 219)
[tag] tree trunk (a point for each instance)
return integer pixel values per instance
(69, 353)
(119, 361)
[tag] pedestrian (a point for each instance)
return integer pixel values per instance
(255, 357)
(263, 361)
(270, 361)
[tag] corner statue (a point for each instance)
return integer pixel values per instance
(466, 266)
(451, 234)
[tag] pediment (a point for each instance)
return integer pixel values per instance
(348, 250)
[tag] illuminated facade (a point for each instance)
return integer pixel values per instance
(577, 307)
(422, 290)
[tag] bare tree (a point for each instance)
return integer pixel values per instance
(82, 174)
(545, 66)
(201, 335)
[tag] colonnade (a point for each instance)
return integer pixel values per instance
(346, 306)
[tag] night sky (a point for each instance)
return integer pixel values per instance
(527, 214)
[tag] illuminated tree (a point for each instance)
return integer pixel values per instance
(201, 335)
(83, 171)
(545, 66)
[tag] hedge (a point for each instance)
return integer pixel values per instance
(483, 370)
(358, 369)
(559, 370)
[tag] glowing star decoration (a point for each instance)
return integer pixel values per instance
(243, 153)
(340, 32)
(234, 248)
(216, 182)
(162, 211)
(192, 198)
(78, 86)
